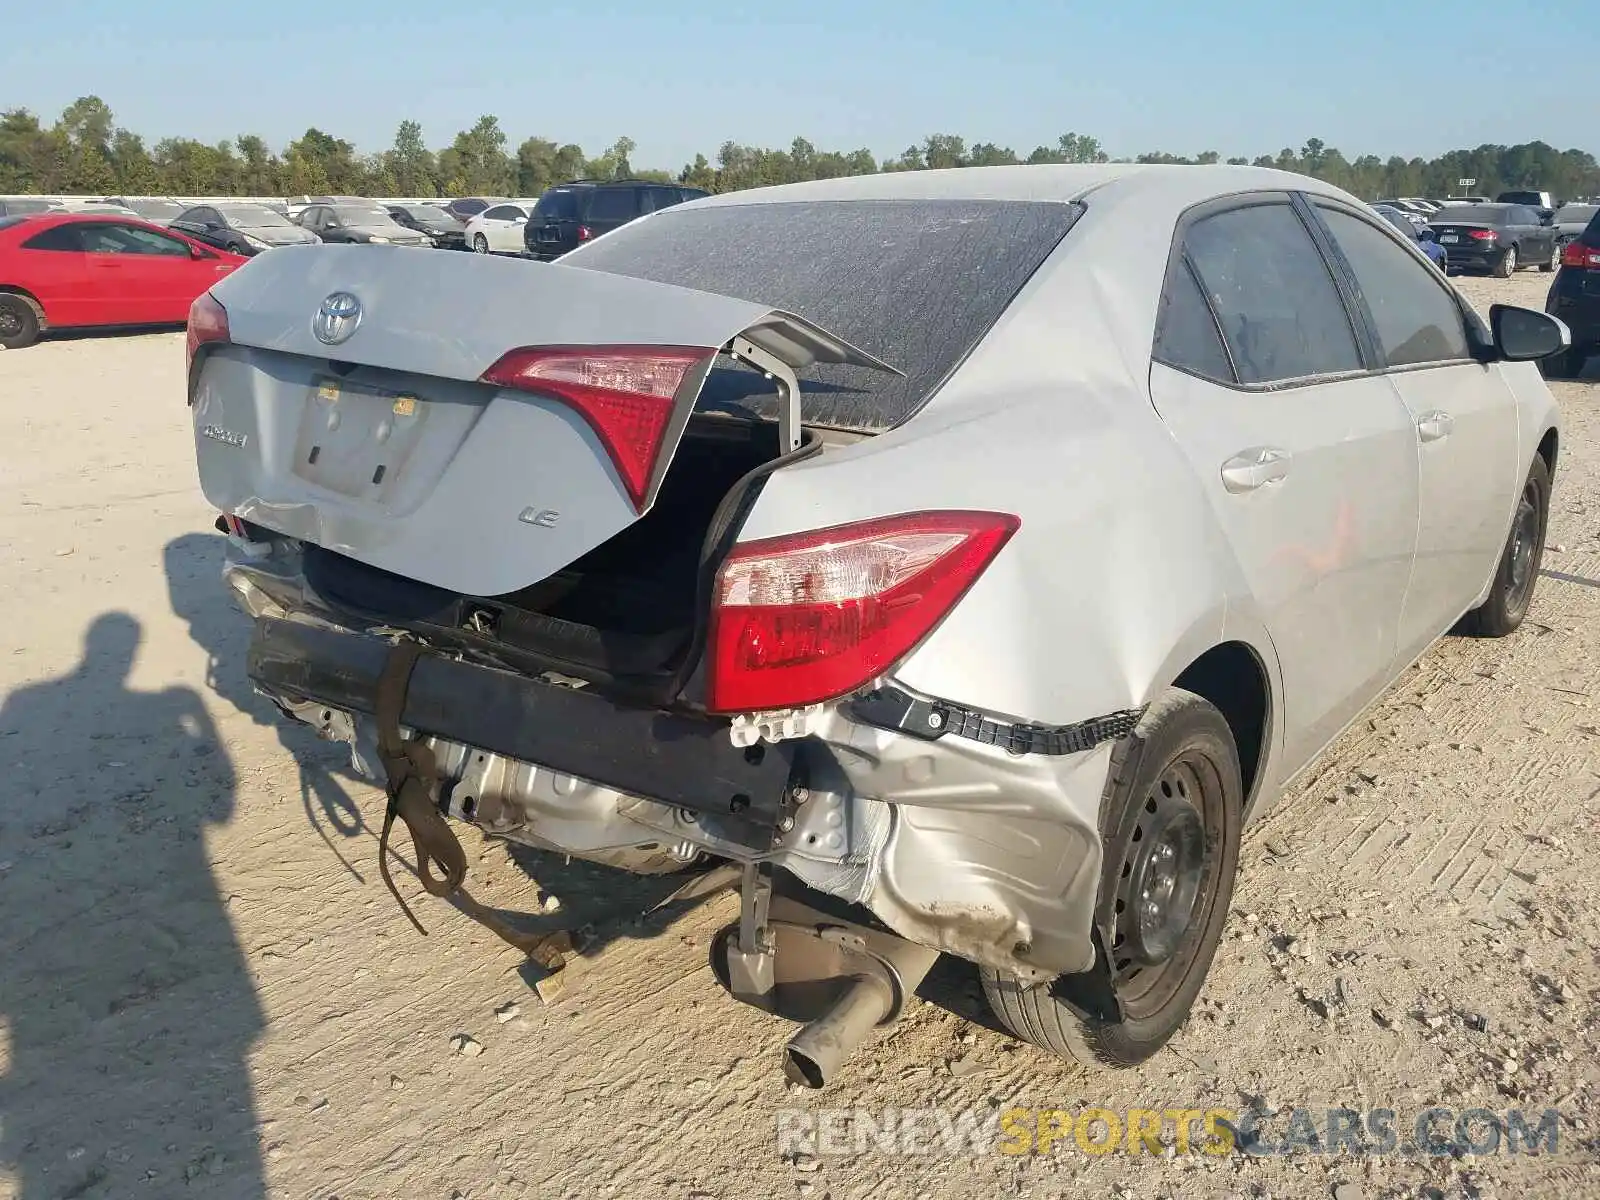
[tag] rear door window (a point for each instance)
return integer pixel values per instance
(916, 282)
(1281, 314)
(1187, 336)
(1415, 318)
(503, 212)
(614, 204)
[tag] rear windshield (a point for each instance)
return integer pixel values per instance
(1533, 198)
(1473, 214)
(916, 282)
(1575, 214)
(557, 206)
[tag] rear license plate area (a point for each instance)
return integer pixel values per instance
(356, 438)
(1449, 239)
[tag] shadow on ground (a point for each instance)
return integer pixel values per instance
(127, 1012)
(193, 564)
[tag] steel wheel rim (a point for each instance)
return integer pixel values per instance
(1524, 545)
(1511, 258)
(1152, 951)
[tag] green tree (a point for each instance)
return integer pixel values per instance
(476, 163)
(260, 172)
(410, 164)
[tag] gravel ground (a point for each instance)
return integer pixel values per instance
(205, 990)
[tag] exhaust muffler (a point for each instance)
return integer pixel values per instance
(840, 980)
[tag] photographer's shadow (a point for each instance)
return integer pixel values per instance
(193, 564)
(125, 998)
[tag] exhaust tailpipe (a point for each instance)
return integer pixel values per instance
(837, 978)
(816, 1052)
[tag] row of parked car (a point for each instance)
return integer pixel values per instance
(563, 218)
(136, 261)
(1514, 230)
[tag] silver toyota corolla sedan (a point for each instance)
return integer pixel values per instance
(952, 562)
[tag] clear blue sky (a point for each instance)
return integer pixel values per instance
(1240, 77)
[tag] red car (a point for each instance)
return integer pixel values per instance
(64, 270)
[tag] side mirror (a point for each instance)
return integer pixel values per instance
(197, 253)
(519, 220)
(1523, 335)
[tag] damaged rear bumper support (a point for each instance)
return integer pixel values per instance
(890, 708)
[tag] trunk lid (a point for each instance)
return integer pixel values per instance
(388, 448)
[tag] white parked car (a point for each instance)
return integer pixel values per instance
(498, 229)
(961, 557)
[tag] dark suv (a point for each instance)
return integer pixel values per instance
(571, 214)
(1575, 298)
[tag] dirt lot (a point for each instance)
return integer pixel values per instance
(205, 990)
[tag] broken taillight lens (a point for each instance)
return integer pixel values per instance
(625, 393)
(809, 617)
(208, 322)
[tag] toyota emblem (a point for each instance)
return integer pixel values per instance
(337, 319)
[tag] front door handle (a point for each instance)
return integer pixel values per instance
(1254, 468)
(1432, 426)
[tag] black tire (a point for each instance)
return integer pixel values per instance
(1518, 570)
(19, 323)
(1568, 364)
(1118, 1014)
(1555, 257)
(480, 244)
(1506, 265)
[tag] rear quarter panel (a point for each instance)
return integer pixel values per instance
(1118, 577)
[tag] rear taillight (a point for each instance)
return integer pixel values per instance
(1483, 235)
(809, 617)
(1580, 257)
(626, 394)
(584, 233)
(208, 322)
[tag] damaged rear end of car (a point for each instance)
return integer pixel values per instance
(507, 561)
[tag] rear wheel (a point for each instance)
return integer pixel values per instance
(19, 323)
(1555, 257)
(1512, 590)
(480, 244)
(1170, 824)
(1507, 263)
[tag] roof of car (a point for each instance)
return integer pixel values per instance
(1064, 182)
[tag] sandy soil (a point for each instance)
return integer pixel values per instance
(204, 989)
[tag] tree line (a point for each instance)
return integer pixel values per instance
(86, 153)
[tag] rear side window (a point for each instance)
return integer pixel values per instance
(1186, 331)
(613, 204)
(916, 282)
(1416, 320)
(59, 237)
(656, 198)
(1280, 312)
(503, 212)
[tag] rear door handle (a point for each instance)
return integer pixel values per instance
(1254, 468)
(1432, 426)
